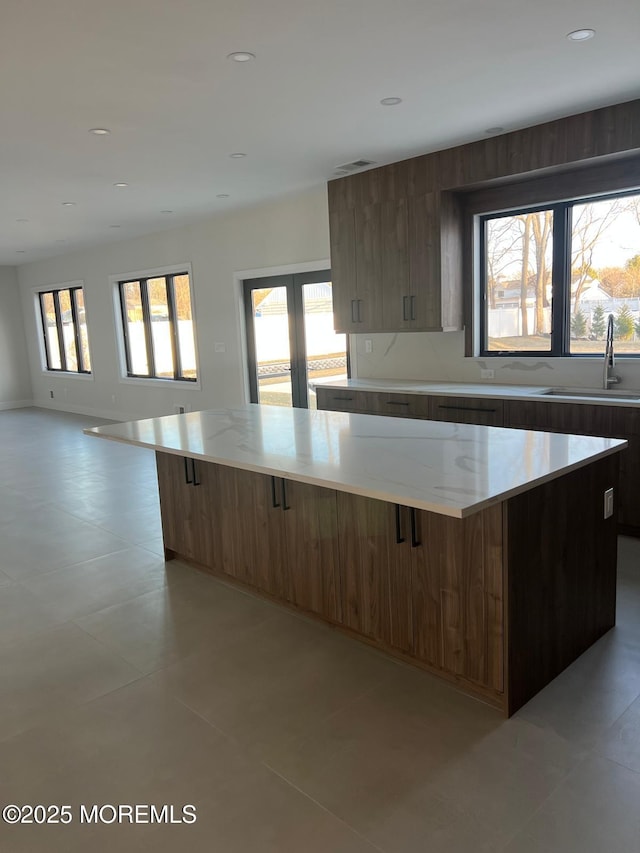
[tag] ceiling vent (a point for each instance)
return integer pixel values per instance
(353, 167)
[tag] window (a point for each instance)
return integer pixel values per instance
(551, 275)
(64, 327)
(157, 323)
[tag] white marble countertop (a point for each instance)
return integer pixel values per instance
(451, 469)
(616, 397)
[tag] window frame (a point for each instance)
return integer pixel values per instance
(143, 277)
(616, 176)
(45, 349)
(560, 337)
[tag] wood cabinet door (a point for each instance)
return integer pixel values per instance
(342, 236)
(424, 263)
(369, 244)
(375, 571)
(397, 305)
(253, 539)
(457, 592)
(311, 530)
(467, 410)
(177, 506)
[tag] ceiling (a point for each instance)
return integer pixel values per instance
(156, 73)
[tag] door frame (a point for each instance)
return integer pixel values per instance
(293, 282)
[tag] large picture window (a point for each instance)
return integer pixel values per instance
(157, 323)
(64, 327)
(551, 275)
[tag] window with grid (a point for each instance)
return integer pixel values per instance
(157, 325)
(551, 275)
(64, 328)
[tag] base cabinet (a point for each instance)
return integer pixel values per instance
(498, 602)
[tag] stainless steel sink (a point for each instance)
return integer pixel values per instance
(593, 394)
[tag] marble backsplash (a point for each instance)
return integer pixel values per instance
(440, 357)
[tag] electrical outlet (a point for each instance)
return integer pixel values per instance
(608, 503)
(219, 347)
(487, 373)
(368, 345)
(113, 398)
(181, 408)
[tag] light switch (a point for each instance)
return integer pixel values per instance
(487, 373)
(218, 347)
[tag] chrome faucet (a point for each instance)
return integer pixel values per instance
(608, 378)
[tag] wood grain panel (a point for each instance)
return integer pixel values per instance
(561, 575)
(424, 261)
(394, 249)
(342, 230)
(370, 282)
(467, 410)
(311, 529)
(368, 557)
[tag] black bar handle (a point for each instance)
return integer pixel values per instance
(354, 316)
(348, 399)
(415, 542)
(285, 505)
(396, 403)
(196, 481)
(405, 316)
(188, 481)
(413, 307)
(467, 408)
(359, 301)
(274, 499)
(399, 537)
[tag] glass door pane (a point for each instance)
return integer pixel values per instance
(272, 351)
(326, 350)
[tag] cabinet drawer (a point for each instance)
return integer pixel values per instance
(341, 400)
(398, 405)
(467, 410)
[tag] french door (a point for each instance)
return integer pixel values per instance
(290, 338)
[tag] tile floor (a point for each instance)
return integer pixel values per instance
(125, 680)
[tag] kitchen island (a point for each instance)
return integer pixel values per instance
(480, 554)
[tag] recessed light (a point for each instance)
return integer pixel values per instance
(390, 102)
(21, 251)
(100, 131)
(222, 195)
(237, 155)
(166, 211)
(494, 130)
(241, 56)
(581, 35)
(121, 184)
(114, 226)
(68, 204)
(22, 220)
(61, 241)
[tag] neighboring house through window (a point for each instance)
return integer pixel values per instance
(64, 328)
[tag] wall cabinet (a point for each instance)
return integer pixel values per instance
(396, 263)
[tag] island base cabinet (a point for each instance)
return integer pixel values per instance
(499, 602)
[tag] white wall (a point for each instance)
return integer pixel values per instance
(289, 231)
(15, 380)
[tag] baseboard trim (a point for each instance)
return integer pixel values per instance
(107, 414)
(16, 404)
